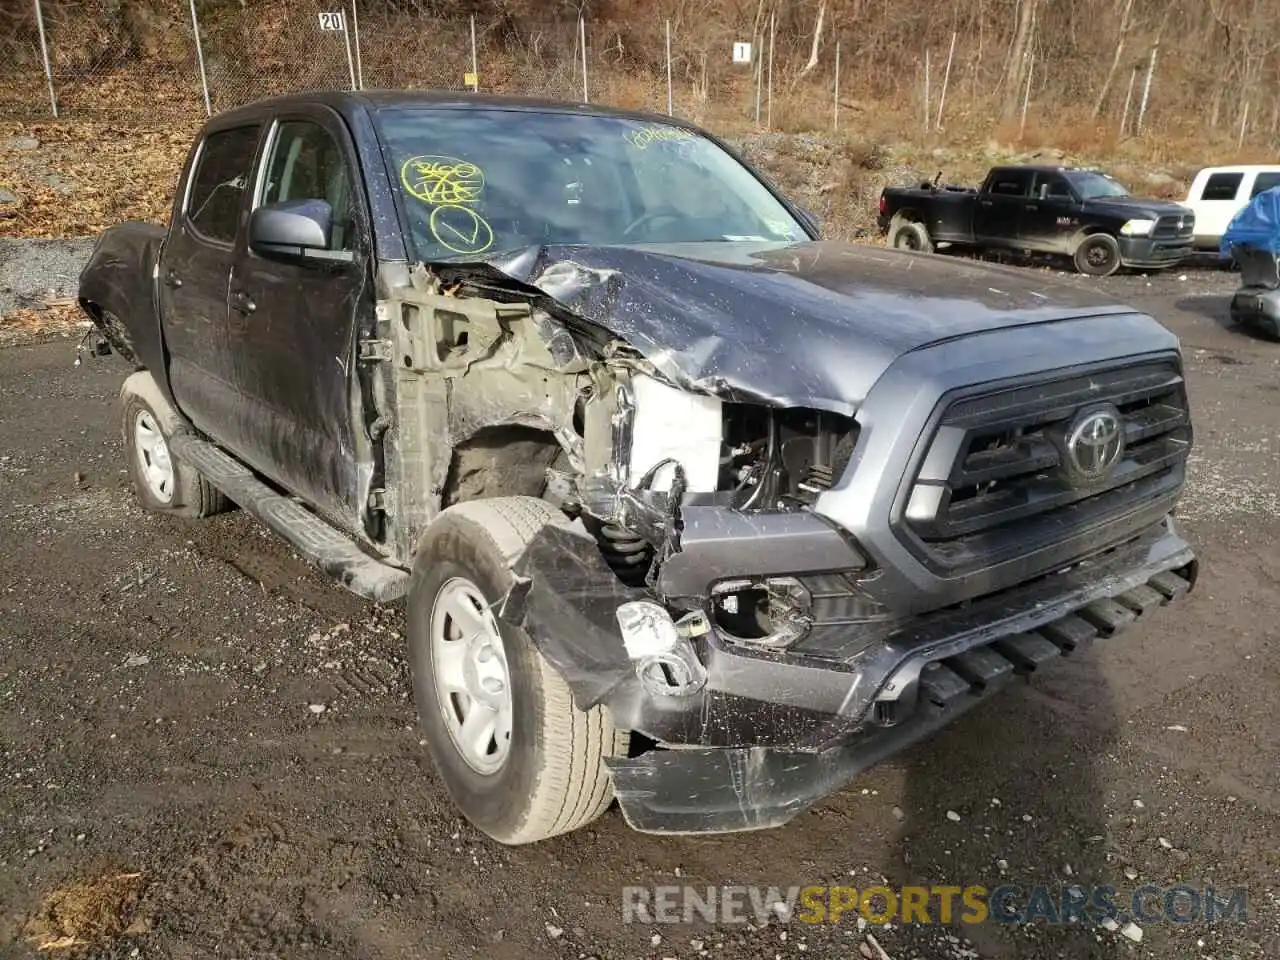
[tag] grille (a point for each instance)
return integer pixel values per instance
(1171, 227)
(994, 485)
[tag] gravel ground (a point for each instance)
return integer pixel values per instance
(32, 271)
(161, 734)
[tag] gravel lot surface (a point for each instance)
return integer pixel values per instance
(32, 271)
(161, 733)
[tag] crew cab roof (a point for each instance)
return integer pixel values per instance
(347, 102)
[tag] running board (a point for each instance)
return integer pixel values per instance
(319, 542)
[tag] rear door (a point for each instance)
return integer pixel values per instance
(1050, 217)
(998, 216)
(1223, 195)
(292, 323)
(194, 270)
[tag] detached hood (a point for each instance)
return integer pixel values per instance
(811, 324)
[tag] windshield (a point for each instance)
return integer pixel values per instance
(1094, 186)
(474, 182)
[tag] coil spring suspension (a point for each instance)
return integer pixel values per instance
(628, 556)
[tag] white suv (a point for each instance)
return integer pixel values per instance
(1219, 193)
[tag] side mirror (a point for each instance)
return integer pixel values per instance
(294, 230)
(810, 220)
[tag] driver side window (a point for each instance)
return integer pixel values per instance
(308, 164)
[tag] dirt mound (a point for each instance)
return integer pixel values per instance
(87, 913)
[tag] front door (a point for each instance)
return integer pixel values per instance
(1050, 217)
(194, 270)
(292, 323)
(998, 215)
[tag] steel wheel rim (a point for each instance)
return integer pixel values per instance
(472, 679)
(1098, 255)
(153, 456)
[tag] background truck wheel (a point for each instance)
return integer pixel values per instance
(1098, 255)
(162, 483)
(909, 235)
(519, 759)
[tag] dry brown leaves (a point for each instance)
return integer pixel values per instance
(88, 912)
(88, 175)
(54, 318)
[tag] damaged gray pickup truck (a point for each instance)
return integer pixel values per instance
(690, 507)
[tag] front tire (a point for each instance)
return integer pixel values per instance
(162, 483)
(1098, 255)
(519, 759)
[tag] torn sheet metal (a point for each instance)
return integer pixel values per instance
(809, 324)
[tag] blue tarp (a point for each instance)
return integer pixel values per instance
(1256, 225)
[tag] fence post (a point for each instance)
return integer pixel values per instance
(670, 107)
(926, 90)
(204, 77)
(1026, 97)
(582, 40)
(835, 107)
(48, 67)
(758, 56)
(351, 63)
(475, 64)
(355, 25)
(946, 80)
(773, 18)
(1244, 122)
(1146, 88)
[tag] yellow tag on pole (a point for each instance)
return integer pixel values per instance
(471, 80)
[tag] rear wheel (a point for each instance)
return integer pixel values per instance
(521, 761)
(1098, 255)
(910, 235)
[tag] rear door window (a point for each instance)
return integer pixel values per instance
(1265, 181)
(1011, 183)
(1222, 186)
(218, 186)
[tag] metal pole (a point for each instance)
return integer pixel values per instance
(475, 64)
(351, 64)
(926, 91)
(582, 39)
(835, 108)
(204, 78)
(1128, 99)
(946, 79)
(759, 74)
(48, 68)
(768, 122)
(1026, 97)
(1146, 87)
(355, 25)
(670, 109)
(1244, 121)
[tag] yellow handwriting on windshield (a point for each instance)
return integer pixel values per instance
(442, 180)
(461, 229)
(642, 138)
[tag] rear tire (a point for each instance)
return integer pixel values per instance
(910, 235)
(162, 483)
(1098, 255)
(550, 777)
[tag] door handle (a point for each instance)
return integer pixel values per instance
(242, 303)
(1033, 206)
(172, 279)
(985, 203)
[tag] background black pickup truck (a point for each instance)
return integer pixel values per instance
(1082, 214)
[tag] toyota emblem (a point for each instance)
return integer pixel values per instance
(1094, 443)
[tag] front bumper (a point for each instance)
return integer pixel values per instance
(1149, 253)
(762, 737)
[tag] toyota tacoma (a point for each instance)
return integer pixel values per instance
(1065, 211)
(688, 507)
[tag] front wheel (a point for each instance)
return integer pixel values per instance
(520, 760)
(1098, 255)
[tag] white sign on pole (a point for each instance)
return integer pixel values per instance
(333, 21)
(742, 53)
